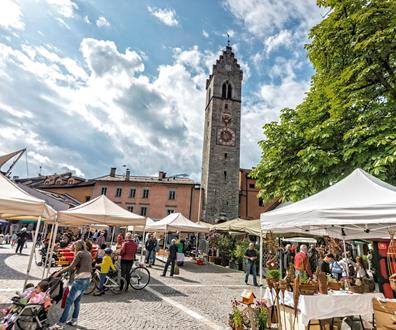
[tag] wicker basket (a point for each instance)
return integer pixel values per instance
(308, 289)
(334, 285)
(392, 282)
(357, 288)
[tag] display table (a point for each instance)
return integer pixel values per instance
(320, 307)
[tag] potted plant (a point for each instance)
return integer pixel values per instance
(235, 317)
(261, 316)
(239, 252)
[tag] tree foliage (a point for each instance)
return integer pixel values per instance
(348, 117)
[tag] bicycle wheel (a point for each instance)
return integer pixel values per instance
(121, 284)
(92, 286)
(140, 277)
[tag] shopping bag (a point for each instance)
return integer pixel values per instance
(64, 297)
(177, 270)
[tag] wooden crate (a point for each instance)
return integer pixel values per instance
(385, 314)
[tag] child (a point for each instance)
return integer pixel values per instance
(105, 266)
(101, 253)
(38, 295)
(14, 238)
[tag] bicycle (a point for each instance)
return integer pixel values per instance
(140, 276)
(114, 282)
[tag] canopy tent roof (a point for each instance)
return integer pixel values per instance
(149, 222)
(358, 206)
(99, 210)
(177, 222)
(251, 227)
(15, 202)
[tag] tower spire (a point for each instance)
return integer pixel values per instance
(228, 40)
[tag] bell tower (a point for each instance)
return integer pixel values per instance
(221, 146)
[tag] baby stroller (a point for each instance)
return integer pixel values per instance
(33, 316)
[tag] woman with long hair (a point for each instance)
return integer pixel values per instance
(82, 267)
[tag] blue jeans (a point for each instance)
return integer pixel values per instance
(251, 269)
(102, 281)
(76, 292)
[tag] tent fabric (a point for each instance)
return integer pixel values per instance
(177, 222)
(15, 202)
(149, 222)
(99, 210)
(5, 158)
(358, 206)
(251, 227)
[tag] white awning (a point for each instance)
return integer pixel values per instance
(177, 222)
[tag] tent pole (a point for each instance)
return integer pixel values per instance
(48, 250)
(345, 256)
(32, 250)
(261, 265)
(196, 246)
(112, 236)
(143, 250)
(52, 247)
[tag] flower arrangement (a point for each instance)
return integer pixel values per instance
(261, 315)
(236, 317)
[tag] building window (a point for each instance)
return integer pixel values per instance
(143, 210)
(145, 193)
(132, 193)
(252, 185)
(226, 91)
(118, 192)
(130, 208)
(226, 106)
(225, 175)
(103, 191)
(170, 211)
(172, 194)
(225, 156)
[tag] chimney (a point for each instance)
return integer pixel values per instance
(113, 171)
(127, 174)
(161, 175)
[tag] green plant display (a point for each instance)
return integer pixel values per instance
(261, 317)
(273, 274)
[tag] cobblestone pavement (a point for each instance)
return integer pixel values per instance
(198, 298)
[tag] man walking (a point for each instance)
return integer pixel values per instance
(128, 255)
(251, 257)
(21, 240)
(171, 258)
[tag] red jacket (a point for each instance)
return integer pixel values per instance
(301, 263)
(128, 250)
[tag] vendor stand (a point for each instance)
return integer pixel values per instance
(359, 206)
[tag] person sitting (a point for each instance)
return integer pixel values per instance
(324, 265)
(105, 267)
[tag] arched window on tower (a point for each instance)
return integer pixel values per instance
(224, 90)
(229, 92)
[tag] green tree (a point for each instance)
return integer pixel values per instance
(348, 117)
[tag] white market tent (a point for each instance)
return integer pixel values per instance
(100, 210)
(359, 206)
(15, 203)
(149, 222)
(177, 222)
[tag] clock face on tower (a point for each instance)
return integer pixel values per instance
(226, 136)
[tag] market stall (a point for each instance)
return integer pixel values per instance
(16, 204)
(99, 210)
(359, 206)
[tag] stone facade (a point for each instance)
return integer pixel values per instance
(221, 149)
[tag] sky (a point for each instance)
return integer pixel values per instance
(89, 85)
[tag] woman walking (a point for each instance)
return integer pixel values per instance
(82, 264)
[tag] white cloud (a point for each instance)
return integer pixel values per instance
(11, 15)
(102, 22)
(166, 16)
(86, 20)
(263, 17)
(205, 34)
(283, 38)
(65, 8)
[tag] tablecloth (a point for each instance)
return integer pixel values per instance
(334, 304)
